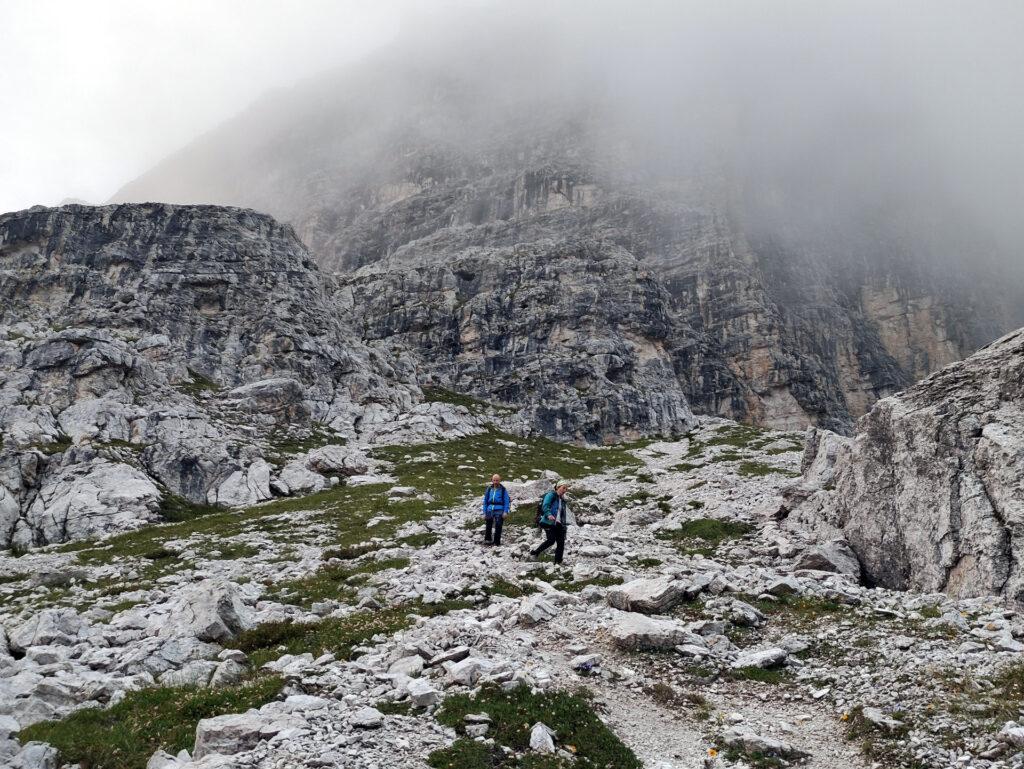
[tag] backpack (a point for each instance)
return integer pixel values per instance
(540, 512)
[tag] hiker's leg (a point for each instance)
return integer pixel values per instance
(549, 540)
(499, 521)
(560, 542)
(487, 529)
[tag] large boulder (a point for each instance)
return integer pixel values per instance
(638, 632)
(209, 611)
(930, 492)
(647, 596)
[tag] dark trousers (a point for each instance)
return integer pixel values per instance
(553, 535)
(494, 523)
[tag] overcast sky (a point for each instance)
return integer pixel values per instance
(97, 91)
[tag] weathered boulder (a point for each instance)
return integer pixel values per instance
(50, 627)
(836, 556)
(930, 492)
(647, 596)
(209, 611)
(637, 632)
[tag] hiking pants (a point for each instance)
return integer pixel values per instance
(553, 535)
(494, 522)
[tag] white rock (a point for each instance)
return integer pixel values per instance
(542, 739)
(367, 718)
(648, 596)
(636, 632)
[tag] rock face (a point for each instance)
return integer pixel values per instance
(527, 252)
(930, 491)
(155, 352)
(575, 334)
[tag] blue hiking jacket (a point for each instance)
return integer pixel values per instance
(496, 502)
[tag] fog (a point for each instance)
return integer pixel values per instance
(836, 113)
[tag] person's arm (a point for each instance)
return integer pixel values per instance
(508, 503)
(484, 506)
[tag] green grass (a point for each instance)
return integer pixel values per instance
(772, 676)
(57, 446)
(513, 714)
(473, 405)
(283, 445)
(648, 563)
(434, 468)
(176, 509)
(575, 587)
(636, 498)
(799, 611)
(502, 586)
(127, 734)
(704, 535)
(339, 635)
(423, 539)
(760, 469)
(329, 583)
(197, 384)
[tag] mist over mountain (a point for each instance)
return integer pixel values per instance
(825, 194)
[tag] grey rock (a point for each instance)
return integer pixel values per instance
(227, 735)
(367, 718)
(647, 596)
(927, 492)
(542, 738)
(761, 658)
(747, 739)
(637, 632)
(835, 556)
(148, 333)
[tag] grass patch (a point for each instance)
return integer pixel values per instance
(513, 713)
(760, 469)
(329, 583)
(704, 535)
(773, 676)
(502, 586)
(648, 563)
(197, 384)
(575, 587)
(127, 734)
(338, 635)
(284, 445)
(175, 509)
(58, 445)
(471, 404)
(423, 539)
(434, 468)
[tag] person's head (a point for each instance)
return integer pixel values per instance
(561, 487)
(495, 480)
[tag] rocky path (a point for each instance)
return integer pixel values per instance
(705, 631)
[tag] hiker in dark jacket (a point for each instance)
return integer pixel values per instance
(496, 507)
(553, 521)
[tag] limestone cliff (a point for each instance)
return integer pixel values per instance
(929, 492)
(787, 315)
(155, 356)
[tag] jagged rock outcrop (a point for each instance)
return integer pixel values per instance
(777, 315)
(930, 491)
(149, 352)
(573, 334)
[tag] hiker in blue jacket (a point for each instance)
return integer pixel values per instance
(554, 519)
(496, 507)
